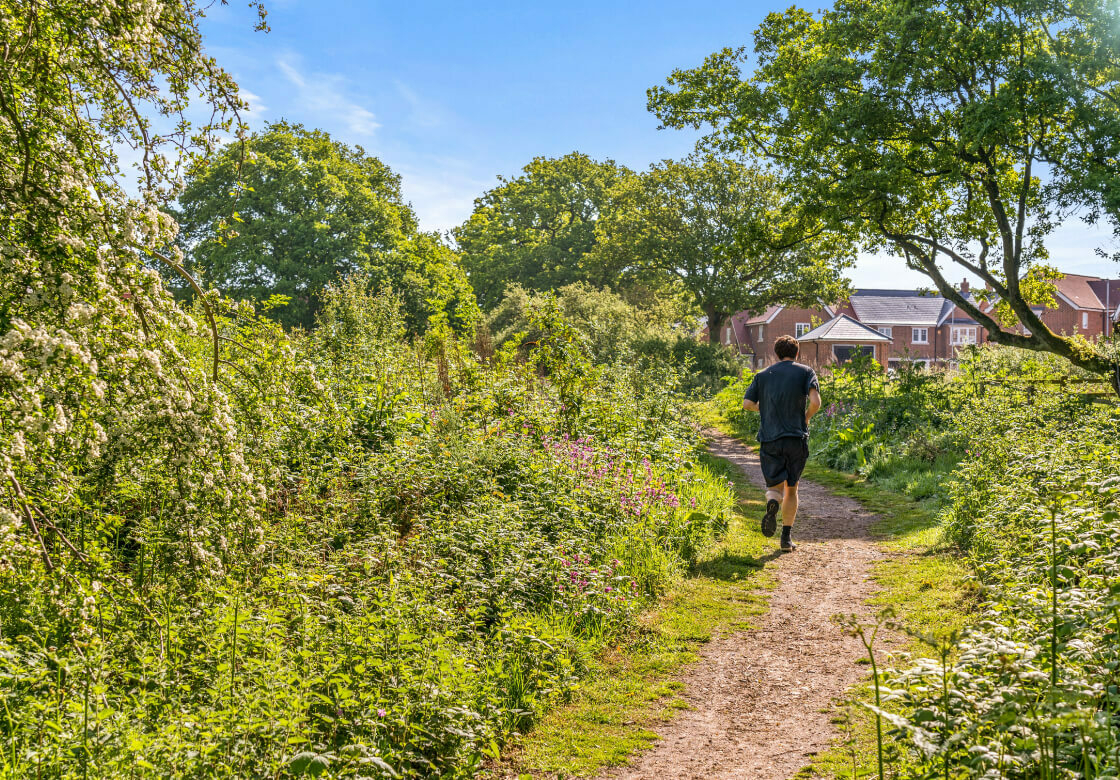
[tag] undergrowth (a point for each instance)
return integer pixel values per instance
(396, 555)
(1011, 489)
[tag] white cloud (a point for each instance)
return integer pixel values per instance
(323, 94)
(442, 192)
(256, 106)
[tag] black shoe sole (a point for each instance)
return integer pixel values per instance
(770, 519)
(791, 547)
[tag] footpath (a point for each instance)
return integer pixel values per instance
(760, 701)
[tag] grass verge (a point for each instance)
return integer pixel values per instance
(924, 583)
(635, 686)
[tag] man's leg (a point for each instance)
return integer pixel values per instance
(774, 472)
(777, 492)
(774, 495)
(789, 504)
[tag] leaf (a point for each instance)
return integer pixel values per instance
(308, 764)
(383, 766)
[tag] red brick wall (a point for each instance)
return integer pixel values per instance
(783, 324)
(1067, 320)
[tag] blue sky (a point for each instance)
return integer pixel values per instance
(451, 95)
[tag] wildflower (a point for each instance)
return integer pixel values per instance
(380, 713)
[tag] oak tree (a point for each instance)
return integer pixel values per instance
(723, 231)
(292, 209)
(537, 229)
(945, 132)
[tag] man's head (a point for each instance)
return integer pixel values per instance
(786, 347)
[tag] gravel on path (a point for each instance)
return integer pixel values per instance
(760, 700)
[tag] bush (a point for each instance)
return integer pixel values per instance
(612, 330)
(395, 554)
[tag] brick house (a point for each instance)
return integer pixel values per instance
(1085, 305)
(839, 340)
(755, 335)
(924, 328)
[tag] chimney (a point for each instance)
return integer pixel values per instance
(964, 286)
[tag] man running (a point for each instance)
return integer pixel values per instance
(786, 395)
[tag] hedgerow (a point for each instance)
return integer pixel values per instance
(419, 553)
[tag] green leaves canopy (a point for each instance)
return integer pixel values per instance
(537, 229)
(924, 127)
(293, 209)
(721, 230)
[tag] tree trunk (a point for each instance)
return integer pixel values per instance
(715, 326)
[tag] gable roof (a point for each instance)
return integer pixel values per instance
(898, 307)
(1107, 292)
(843, 328)
(1078, 292)
(773, 311)
(766, 316)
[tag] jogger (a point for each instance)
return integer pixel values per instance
(786, 395)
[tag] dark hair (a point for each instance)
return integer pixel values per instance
(786, 347)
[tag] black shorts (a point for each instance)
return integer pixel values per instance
(783, 459)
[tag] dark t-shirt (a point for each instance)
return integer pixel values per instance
(781, 392)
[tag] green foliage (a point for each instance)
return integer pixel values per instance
(537, 229)
(722, 231)
(426, 552)
(608, 324)
(289, 210)
(613, 330)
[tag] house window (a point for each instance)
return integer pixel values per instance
(800, 329)
(886, 330)
(919, 336)
(1084, 320)
(760, 333)
(962, 336)
(727, 335)
(844, 352)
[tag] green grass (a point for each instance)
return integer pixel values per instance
(635, 687)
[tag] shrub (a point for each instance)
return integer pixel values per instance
(394, 555)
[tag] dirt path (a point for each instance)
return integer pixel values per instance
(760, 699)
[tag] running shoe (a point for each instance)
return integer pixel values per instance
(770, 519)
(787, 541)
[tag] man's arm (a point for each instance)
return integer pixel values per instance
(750, 398)
(814, 404)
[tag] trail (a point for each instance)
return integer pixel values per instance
(760, 699)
